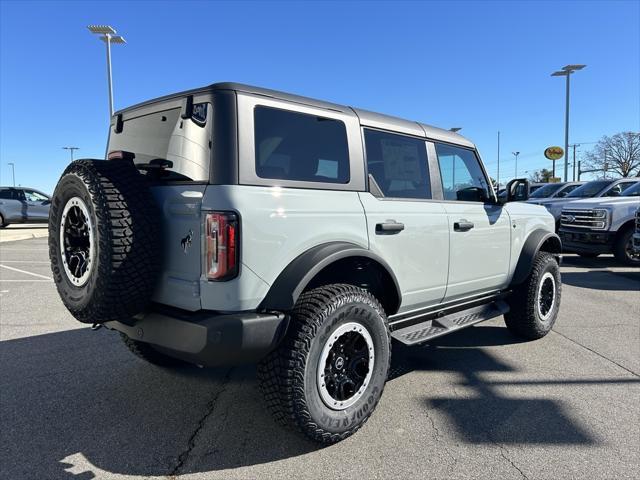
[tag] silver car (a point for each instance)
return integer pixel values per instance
(23, 205)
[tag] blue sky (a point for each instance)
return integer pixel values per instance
(483, 66)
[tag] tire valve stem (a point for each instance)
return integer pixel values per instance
(96, 326)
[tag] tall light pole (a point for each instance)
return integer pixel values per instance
(13, 172)
(71, 149)
(515, 154)
(108, 36)
(566, 71)
(498, 179)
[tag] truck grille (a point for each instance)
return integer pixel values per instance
(592, 219)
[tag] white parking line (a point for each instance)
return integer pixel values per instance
(23, 261)
(24, 281)
(25, 272)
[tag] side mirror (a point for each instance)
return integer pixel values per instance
(46, 202)
(472, 194)
(517, 190)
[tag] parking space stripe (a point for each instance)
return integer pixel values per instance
(24, 281)
(25, 272)
(24, 261)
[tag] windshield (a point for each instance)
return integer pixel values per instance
(165, 135)
(633, 191)
(547, 190)
(589, 189)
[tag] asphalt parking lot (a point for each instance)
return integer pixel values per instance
(476, 404)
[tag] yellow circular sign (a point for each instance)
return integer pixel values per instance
(554, 153)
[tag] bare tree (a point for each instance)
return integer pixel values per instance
(620, 153)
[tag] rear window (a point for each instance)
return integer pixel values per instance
(165, 135)
(296, 146)
(589, 189)
(547, 190)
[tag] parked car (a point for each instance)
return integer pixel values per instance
(594, 189)
(236, 224)
(604, 225)
(23, 205)
(636, 235)
(554, 190)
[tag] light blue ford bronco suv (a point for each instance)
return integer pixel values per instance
(234, 224)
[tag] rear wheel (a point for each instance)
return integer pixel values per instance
(2, 224)
(535, 303)
(623, 249)
(328, 375)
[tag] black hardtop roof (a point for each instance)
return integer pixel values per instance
(365, 116)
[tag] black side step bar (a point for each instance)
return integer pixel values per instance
(434, 328)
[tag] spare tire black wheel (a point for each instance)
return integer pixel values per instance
(104, 231)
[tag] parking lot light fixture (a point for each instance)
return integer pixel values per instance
(566, 71)
(13, 172)
(515, 154)
(108, 36)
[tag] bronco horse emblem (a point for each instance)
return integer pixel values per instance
(185, 243)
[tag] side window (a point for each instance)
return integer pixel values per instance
(5, 194)
(398, 164)
(33, 196)
(296, 146)
(460, 170)
(616, 190)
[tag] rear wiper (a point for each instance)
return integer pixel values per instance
(155, 164)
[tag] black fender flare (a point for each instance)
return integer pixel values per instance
(530, 249)
(291, 282)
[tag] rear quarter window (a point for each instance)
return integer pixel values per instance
(297, 146)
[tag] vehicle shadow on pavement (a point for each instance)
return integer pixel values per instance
(481, 413)
(76, 404)
(603, 280)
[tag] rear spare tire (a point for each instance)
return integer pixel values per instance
(104, 229)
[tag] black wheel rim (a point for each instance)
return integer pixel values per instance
(75, 241)
(345, 366)
(546, 295)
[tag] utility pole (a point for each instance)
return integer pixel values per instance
(71, 149)
(566, 71)
(574, 161)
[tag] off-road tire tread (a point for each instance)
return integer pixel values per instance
(521, 319)
(281, 373)
(128, 233)
(620, 245)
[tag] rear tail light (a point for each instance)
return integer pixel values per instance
(222, 242)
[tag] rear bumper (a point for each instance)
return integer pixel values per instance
(208, 338)
(587, 241)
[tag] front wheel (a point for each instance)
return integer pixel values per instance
(623, 249)
(328, 375)
(535, 303)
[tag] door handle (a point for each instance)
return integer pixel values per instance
(463, 226)
(389, 227)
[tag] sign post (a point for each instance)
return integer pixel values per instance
(553, 154)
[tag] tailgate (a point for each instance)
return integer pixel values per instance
(179, 282)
